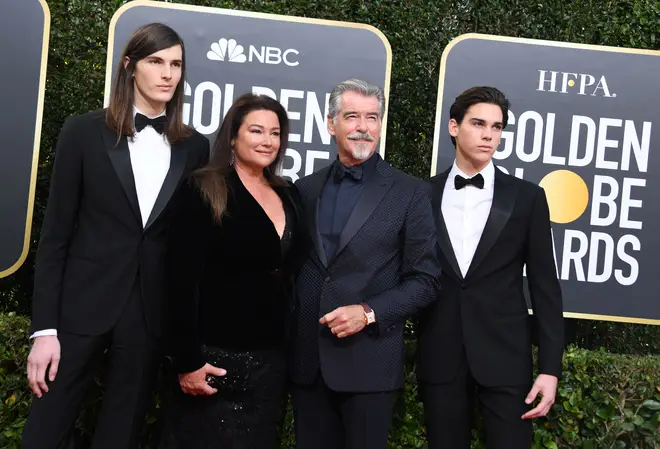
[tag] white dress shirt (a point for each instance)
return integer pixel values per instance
(150, 160)
(465, 212)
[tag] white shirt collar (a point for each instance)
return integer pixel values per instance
(488, 173)
(136, 110)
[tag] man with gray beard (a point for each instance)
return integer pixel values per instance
(371, 264)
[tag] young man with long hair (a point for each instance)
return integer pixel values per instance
(100, 277)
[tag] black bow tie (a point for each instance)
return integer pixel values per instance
(158, 123)
(341, 171)
(477, 181)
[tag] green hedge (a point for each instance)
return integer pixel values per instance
(605, 401)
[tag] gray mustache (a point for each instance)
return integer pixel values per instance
(360, 136)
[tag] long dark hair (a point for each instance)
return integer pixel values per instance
(146, 40)
(211, 179)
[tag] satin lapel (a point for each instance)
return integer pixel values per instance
(177, 165)
(121, 161)
(444, 242)
(504, 198)
(315, 193)
(372, 194)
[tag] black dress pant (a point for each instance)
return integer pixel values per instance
(449, 407)
(133, 358)
(326, 419)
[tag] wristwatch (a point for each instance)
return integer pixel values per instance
(369, 315)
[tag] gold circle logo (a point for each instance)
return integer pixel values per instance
(568, 195)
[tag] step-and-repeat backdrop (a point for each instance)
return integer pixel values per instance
(580, 125)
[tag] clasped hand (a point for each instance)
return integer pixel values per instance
(345, 321)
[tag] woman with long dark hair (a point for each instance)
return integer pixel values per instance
(235, 244)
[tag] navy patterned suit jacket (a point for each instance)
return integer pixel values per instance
(387, 258)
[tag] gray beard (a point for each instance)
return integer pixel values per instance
(361, 154)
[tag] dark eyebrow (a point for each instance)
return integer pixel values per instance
(376, 113)
(158, 58)
(479, 120)
(277, 128)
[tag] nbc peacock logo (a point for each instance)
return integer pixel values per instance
(226, 50)
(230, 50)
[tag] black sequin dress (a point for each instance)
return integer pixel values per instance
(239, 325)
(246, 415)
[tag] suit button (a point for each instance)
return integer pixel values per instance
(463, 286)
(327, 279)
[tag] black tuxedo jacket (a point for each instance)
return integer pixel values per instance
(484, 315)
(386, 257)
(93, 246)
